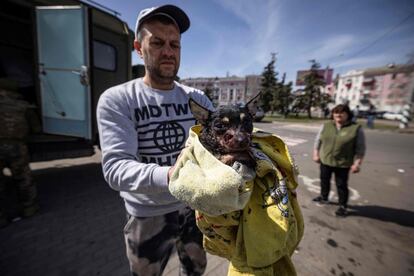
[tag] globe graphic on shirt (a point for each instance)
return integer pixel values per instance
(169, 136)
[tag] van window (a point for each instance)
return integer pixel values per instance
(104, 56)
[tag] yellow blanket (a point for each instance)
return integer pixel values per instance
(257, 224)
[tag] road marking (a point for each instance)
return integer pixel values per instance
(315, 188)
(302, 127)
(291, 142)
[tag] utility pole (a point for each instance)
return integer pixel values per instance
(274, 56)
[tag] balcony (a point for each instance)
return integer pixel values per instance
(368, 82)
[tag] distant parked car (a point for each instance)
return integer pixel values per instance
(362, 114)
(380, 114)
(392, 116)
(259, 115)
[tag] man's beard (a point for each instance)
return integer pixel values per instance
(159, 76)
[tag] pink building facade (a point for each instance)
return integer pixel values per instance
(388, 88)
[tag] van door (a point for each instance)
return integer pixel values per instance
(63, 54)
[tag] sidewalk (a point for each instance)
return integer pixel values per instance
(379, 125)
(78, 230)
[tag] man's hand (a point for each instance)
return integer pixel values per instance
(170, 172)
(316, 156)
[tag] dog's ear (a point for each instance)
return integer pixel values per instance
(200, 113)
(253, 104)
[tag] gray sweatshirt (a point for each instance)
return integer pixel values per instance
(142, 131)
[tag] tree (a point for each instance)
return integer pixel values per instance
(313, 82)
(285, 97)
(208, 91)
(324, 101)
(298, 103)
(269, 86)
(276, 95)
(410, 57)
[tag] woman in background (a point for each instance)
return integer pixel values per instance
(339, 148)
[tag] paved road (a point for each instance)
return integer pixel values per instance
(377, 238)
(79, 229)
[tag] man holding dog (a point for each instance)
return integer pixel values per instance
(143, 125)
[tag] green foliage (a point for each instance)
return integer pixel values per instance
(313, 84)
(325, 99)
(299, 104)
(285, 97)
(276, 95)
(268, 84)
(208, 91)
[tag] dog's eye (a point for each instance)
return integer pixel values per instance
(219, 126)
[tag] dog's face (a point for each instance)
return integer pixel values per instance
(227, 131)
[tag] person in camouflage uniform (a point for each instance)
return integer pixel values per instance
(14, 154)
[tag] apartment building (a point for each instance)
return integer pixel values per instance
(350, 89)
(388, 88)
(227, 90)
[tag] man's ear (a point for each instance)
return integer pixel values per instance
(200, 113)
(137, 46)
(253, 104)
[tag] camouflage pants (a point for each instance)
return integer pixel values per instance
(151, 240)
(15, 157)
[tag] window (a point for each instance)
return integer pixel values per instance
(104, 56)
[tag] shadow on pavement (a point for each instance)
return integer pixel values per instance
(263, 122)
(398, 216)
(78, 230)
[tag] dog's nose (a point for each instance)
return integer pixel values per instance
(228, 137)
(236, 140)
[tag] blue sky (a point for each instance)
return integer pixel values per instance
(237, 37)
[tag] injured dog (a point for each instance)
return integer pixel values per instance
(227, 131)
(247, 214)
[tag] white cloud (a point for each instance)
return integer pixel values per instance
(332, 47)
(260, 37)
(366, 61)
(394, 51)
